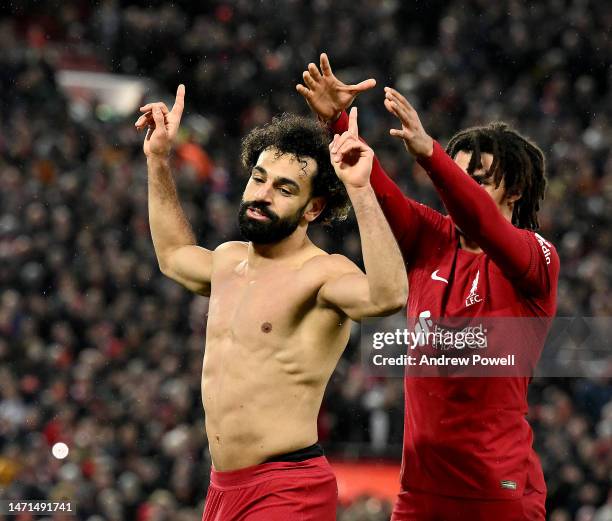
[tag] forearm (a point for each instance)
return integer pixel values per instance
(397, 208)
(475, 213)
(385, 269)
(169, 226)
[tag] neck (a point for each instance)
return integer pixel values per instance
(259, 254)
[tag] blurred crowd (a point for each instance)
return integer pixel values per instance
(99, 351)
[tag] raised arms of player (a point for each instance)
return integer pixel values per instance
(328, 97)
(178, 255)
(471, 208)
(384, 287)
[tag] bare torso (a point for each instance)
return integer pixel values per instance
(270, 351)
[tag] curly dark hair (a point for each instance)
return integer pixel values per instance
(516, 160)
(303, 138)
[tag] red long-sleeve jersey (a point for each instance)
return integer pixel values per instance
(467, 436)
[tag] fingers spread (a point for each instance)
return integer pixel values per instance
(399, 110)
(314, 71)
(308, 80)
(389, 106)
(394, 94)
(307, 93)
(363, 85)
(402, 134)
(325, 66)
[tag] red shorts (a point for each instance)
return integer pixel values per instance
(278, 491)
(421, 506)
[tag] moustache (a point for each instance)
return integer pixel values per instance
(258, 205)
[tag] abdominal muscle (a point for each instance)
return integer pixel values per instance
(261, 401)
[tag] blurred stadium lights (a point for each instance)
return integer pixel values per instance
(108, 95)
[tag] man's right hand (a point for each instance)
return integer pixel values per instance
(162, 125)
(325, 94)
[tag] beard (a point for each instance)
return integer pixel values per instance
(273, 230)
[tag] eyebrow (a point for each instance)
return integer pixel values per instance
(278, 180)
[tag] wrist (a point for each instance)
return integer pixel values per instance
(158, 159)
(335, 117)
(330, 120)
(428, 148)
(359, 191)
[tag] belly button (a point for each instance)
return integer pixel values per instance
(266, 327)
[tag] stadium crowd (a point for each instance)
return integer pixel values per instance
(98, 350)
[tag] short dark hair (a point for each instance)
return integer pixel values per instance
(301, 137)
(516, 160)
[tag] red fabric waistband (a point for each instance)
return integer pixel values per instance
(265, 471)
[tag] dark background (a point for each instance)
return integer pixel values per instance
(98, 350)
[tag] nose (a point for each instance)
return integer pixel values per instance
(263, 193)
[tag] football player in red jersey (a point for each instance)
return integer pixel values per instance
(467, 446)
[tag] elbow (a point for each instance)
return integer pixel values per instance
(164, 262)
(393, 308)
(164, 267)
(392, 301)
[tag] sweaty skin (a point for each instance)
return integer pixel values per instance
(278, 317)
(262, 391)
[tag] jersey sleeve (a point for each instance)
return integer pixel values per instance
(409, 220)
(542, 275)
(518, 253)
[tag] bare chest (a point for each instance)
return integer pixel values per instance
(264, 305)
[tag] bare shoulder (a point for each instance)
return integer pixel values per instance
(232, 248)
(231, 251)
(330, 266)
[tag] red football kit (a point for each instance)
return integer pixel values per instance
(277, 491)
(467, 444)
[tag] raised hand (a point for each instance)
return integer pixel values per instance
(162, 124)
(416, 140)
(325, 94)
(351, 157)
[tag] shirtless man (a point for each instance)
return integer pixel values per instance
(279, 306)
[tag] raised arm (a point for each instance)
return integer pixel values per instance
(178, 255)
(329, 98)
(383, 289)
(473, 211)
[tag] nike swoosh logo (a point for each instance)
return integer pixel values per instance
(435, 276)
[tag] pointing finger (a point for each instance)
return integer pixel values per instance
(179, 102)
(352, 126)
